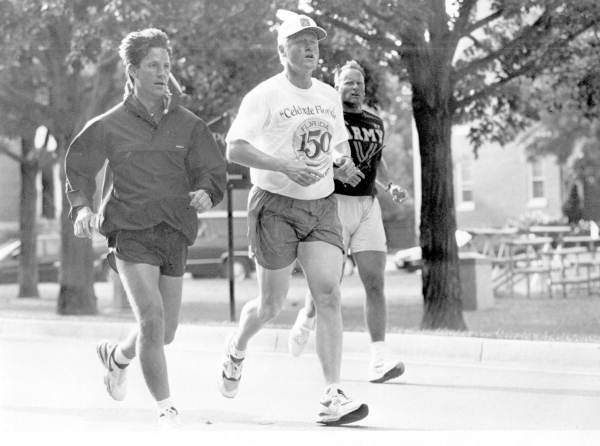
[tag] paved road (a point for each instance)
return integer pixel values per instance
(54, 383)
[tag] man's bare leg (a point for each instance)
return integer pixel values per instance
(273, 286)
(371, 267)
(322, 264)
(141, 282)
(171, 290)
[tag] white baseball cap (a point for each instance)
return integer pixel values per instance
(294, 23)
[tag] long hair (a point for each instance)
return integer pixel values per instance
(136, 45)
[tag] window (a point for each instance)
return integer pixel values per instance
(537, 193)
(466, 200)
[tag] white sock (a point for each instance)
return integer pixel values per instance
(314, 313)
(163, 405)
(235, 352)
(378, 352)
(333, 387)
(309, 321)
(120, 358)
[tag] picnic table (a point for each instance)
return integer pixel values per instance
(491, 240)
(524, 260)
(563, 264)
(551, 253)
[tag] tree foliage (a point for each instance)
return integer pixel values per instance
(470, 61)
(464, 62)
(60, 67)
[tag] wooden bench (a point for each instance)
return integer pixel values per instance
(567, 264)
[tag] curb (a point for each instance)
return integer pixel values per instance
(539, 355)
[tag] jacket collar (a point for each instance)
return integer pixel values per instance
(133, 104)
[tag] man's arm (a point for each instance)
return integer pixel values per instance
(302, 172)
(207, 170)
(398, 193)
(344, 169)
(84, 159)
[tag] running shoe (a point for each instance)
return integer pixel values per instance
(169, 419)
(382, 372)
(300, 332)
(115, 378)
(231, 372)
(337, 409)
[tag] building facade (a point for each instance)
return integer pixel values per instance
(503, 186)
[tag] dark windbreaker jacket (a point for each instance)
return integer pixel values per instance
(153, 167)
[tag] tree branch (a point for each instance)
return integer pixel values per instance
(351, 29)
(489, 89)
(483, 22)
(375, 13)
(378, 39)
(526, 68)
(524, 36)
(455, 35)
(476, 42)
(464, 13)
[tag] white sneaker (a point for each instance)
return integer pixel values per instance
(382, 372)
(337, 409)
(169, 419)
(231, 373)
(115, 378)
(300, 332)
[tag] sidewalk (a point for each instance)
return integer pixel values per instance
(535, 355)
(32, 318)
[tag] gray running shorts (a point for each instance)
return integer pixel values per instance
(160, 245)
(277, 224)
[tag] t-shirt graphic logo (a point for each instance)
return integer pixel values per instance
(312, 140)
(365, 153)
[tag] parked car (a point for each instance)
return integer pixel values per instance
(48, 257)
(207, 257)
(410, 258)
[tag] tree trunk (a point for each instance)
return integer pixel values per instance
(76, 294)
(48, 192)
(28, 266)
(440, 275)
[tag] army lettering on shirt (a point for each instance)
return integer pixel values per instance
(365, 136)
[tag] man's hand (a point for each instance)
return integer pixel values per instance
(304, 173)
(200, 200)
(399, 194)
(352, 180)
(85, 223)
(347, 172)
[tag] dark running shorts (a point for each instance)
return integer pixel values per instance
(160, 245)
(277, 224)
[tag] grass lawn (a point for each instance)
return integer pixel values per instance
(576, 318)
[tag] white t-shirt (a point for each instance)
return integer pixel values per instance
(288, 122)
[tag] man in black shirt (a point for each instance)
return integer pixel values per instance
(360, 215)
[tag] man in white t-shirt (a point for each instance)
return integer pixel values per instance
(362, 224)
(290, 131)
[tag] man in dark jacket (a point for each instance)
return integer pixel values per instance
(166, 167)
